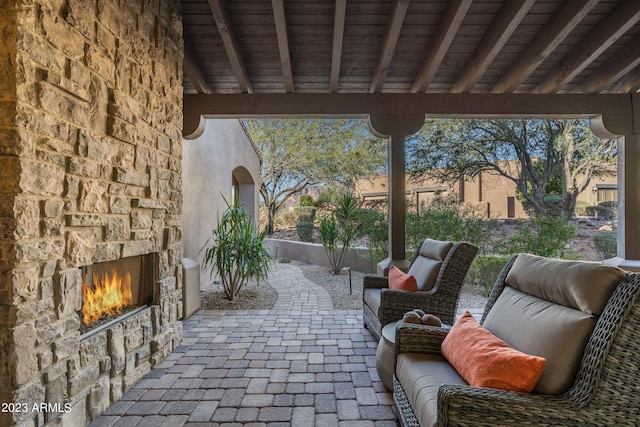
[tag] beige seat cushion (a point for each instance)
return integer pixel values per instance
(421, 376)
(541, 328)
(426, 266)
(585, 286)
(372, 299)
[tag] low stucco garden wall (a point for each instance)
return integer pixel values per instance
(313, 253)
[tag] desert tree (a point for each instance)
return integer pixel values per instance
(299, 153)
(532, 153)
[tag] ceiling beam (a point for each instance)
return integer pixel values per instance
(499, 32)
(336, 51)
(447, 30)
(392, 32)
(615, 24)
(283, 43)
(561, 23)
(614, 69)
(629, 83)
(194, 71)
(436, 105)
(230, 41)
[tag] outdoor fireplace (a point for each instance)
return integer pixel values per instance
(91, 175)
(113, 289)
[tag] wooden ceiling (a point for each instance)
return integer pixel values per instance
(396, 58)
(418, 46)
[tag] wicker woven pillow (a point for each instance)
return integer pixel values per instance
(484, 360)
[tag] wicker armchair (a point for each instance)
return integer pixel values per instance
(605, 389)
(449, 263)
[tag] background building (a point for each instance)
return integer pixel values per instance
(488, 195)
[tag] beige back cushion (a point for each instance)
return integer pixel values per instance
(585, 286)
(426, 266)
(541, 328)
(549, 309)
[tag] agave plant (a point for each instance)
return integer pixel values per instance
(236, 251)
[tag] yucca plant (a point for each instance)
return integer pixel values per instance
(236, 251)
(338, 230)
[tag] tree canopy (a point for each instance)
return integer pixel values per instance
(298, 153)
(531, 153)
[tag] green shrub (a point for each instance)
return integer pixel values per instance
(375, 227)
(606, 243)
(605, 210)
(484, 271)
(442, 220)
(305, 231)
(286, 218)
(553, 203)
(305, 200)
(581, 208)
(304, 213)
(329, 195)
(547, 236)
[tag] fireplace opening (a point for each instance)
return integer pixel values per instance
(115, 288)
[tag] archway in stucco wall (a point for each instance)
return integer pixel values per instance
(244, 188)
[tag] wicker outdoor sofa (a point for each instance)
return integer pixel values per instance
(440, 269)
(604, 388)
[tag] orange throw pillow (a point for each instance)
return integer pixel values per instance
(484, 360)
(401, 281)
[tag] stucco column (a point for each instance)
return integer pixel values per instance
(395, 128)
(628, 203)
(627, 128)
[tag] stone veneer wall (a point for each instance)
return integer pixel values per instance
(90, 170)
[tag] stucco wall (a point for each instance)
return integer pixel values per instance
(313, 253)
(208, 165)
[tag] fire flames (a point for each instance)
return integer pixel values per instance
(110, 292)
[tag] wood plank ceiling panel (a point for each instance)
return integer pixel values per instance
(310, 44)
(230, 41)
(442, 41)
(336, 44)
(255, 29)
(421, 24)
(280, 19)
(617, 22)
(402, 46)
(560, 24)
(392, 33)
(554, 62)
(496, 36)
